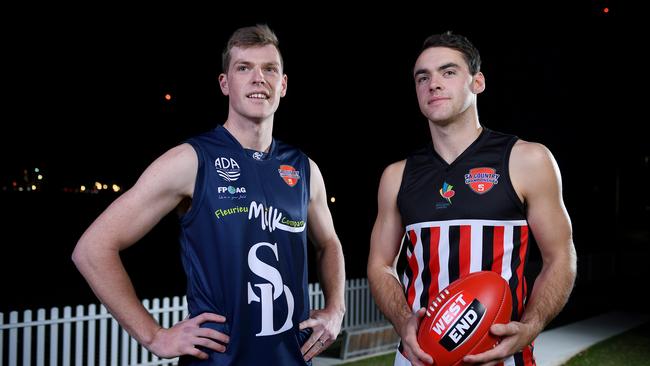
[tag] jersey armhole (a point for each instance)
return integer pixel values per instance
(402, 184)
(308, 177)
(506, 168)
(199, 186)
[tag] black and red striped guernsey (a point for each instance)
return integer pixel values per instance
(462, 218)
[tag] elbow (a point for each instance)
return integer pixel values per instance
(377, 271)
(79, 255)
(370, 271)
(83, 257)
(573, 262)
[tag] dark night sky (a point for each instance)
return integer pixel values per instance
(83, 97)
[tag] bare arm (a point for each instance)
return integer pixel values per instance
(385, 244)
(549, 221)
(536, 178)
(160, 189)
(326, 323)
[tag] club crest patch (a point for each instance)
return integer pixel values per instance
(289, 174)
(481, 180)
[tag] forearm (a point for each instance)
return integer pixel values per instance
(389, 295)
(551, 291)
(331, 273)
(105, 273)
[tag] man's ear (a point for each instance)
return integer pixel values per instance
(223, 83)
(478, 83)
(284, 86)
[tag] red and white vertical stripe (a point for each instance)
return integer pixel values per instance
(433, 237)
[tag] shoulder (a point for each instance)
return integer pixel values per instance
(174, 170)
(528, 155)
(313, 167)
(532, 168)
(391, 178)
(180, 155)
(394, 171)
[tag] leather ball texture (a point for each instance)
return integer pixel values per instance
(458, 320)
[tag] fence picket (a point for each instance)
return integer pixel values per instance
(13, 339)
(54, 337)
(27, 339)
(79, 337)
(125, 347)
(65, 352)
(103, 329)
(40, 338)
(114, 344)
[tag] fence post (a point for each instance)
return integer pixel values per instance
(79, 337)
(176, 302)
(54, 337)
(40, 338)
(124, 350)
(114, 344)
(103, 329)
(27, 338)
(13, 339)
(152, 308)
(65, 353)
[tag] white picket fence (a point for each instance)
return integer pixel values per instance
(91, 336)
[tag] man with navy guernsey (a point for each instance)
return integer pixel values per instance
(468, 202)
(248, 202)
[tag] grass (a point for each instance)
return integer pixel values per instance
(629, 348)
(383, 360)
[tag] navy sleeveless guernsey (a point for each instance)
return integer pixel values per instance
(461, 218)
(244, 249)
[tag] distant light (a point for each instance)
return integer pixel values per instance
(82, 188)
(40, 177)
(98, 185)
(333, 199)
(36, 170)
(105, 186)
(605, 10)
(168, 96)
(33, 187)
(14, 183)
(116, 188)
(20, 189)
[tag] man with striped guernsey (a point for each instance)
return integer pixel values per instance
(469, 201)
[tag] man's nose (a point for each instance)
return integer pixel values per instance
(435, 84)
(258, 76)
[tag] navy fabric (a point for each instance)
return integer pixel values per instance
(244, 249)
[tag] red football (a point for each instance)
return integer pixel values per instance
(458, 320)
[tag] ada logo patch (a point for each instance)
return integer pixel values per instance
(481, 180)
(227, 168)
(289, 174)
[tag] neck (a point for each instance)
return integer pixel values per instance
(250, 134)
(451, 139)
